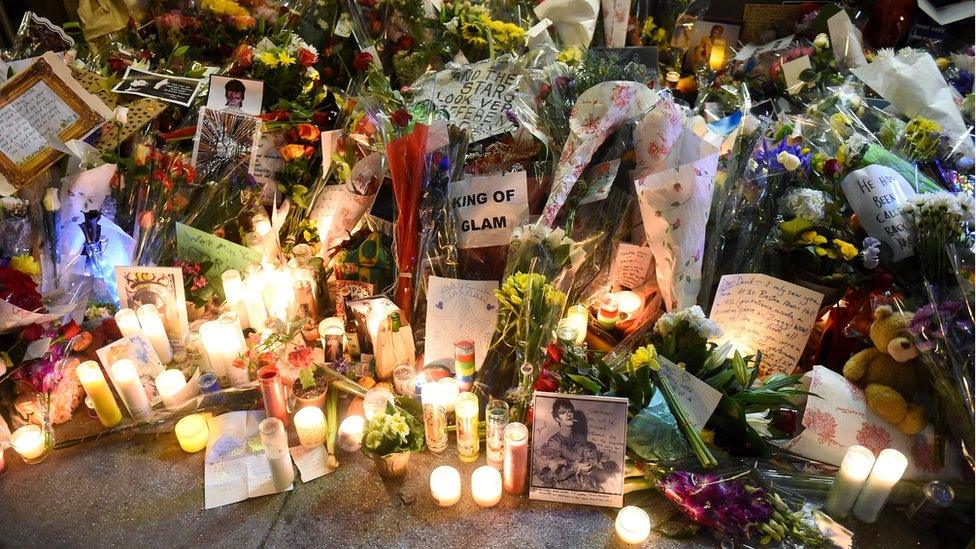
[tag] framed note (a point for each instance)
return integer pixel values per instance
(41, 107)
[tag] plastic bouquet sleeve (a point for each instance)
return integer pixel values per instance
(675, 204)
(407, 168)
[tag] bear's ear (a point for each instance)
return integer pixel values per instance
(882, 312)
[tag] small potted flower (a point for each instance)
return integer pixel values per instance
(311, 387)
(390, 438)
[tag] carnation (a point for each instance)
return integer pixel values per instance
(805, 204)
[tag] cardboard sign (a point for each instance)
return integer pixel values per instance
(474, 96)
(761, 313)
(459, 309)
(196, 245)
(488, 208)
(877, 193)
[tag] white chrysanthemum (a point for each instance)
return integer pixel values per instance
(804, 204)
(694, 317)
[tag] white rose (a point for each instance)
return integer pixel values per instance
(789, 161)
(821, 42)
(51, 202)
(121, 115)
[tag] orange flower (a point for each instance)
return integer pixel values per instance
(291, 152)
(308, 132)
(242, 22)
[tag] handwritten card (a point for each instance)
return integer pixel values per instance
(236, 467)
(489, 207)
(312, 461)
(142, 354)
(196, 245)
(698, 398)
(630, 265)
(267, 164)
(459, 309)
(760, 313)
(877, 194)
(336, 212)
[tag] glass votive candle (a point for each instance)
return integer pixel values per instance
(486, 486)
(578, 316)
(30, 443)
(350, 433)
(445, 485)
(496, 418)
(375, 402)
(192, 433)
(607, 315)
(310, 425)
(633, 525)
(208, 383)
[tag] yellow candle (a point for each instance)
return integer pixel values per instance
(578, 317)
(192, 433)
(170, 383)
(716, 60)
(28, 441)
(128, 322)
(310, 425)
(91, 378)
(445, 485)
(486, 486)
(633, 525)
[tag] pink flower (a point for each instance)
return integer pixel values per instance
(300, 357)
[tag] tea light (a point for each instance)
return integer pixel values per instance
(234, 294)
(607, 315)
(28, 441)
(130, 388)
(887, 471)
(92, 380)
(854, 470)
(445, 485)
(629, 304)
(154, 331)
(578, 316)
(633, 525)
(310, 425)
(516, 460)
(486, 486)
(375, 401)
(128, 322)
(716, 60)
(351, 433)
(192, 433)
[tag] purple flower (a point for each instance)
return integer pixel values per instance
(963, 82)
(767, 157)
(510, 114)
(723, 504)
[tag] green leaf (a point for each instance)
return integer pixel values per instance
(809, 75)
(587, 383)
(793, 228)
(180, 52)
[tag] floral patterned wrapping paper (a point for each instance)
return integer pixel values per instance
(598, 112)
(674, 204)
(840, 418)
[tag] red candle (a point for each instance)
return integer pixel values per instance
(516, 464)
(273, 393)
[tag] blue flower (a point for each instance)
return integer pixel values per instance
(766, 157)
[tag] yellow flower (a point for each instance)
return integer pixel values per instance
(224, 7)
(846, 249)
(811, 237)
(708, 436)
(285, 59)
(821, 251)
(571, 56)
(25, 264)
(268, 59)
(942, 63)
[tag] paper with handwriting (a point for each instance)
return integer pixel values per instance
(312, 461)
(630, 265)
(698, 398)
(196, 245)
(459, 309)
(760, 313)
(236, 467)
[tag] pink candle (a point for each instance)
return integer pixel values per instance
(516, 464)
(273, 394)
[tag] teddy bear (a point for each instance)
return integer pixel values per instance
(888, 372)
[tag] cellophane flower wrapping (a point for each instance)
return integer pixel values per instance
(407, 162)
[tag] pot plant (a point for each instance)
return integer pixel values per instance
(390, 438)
(311, 387)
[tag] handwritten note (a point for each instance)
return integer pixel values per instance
(877, 194)
(699, 398)
(236, 467)
(459, 309)
(761, 313)
(30, 120)
(488, 208)
(267, 164)
(196, 245)
(312, 461)
(630, 265)
(336, 212)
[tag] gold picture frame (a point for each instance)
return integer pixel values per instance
(41, 71)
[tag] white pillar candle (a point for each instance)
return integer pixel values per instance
(633, 525)
(310, 425)
(628, 305)
(128, 322)
(351, 433)
(850, 478)
(275, 441)
(486, 486)
(234, 346)
(154, 331)
(279, 293)
(257, 314)
(129, 386)
(28, 441)
(887, 471)
(445, 485)
(170, 384)
(192, 433)
(213, 343)
(234, 294)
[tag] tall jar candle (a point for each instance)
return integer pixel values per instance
(128, 322)
(887, 471)
(516, 463)
(332, 332)
(98, 391)
(154, 331)
(257, 312)
(466, 417)
(275, 441)
(234, 294)
(130, 388)
(464, 363)
(496, 419)
(235, 345)
(211, 333)
(854, 470)
(435, 417)
(273, 394)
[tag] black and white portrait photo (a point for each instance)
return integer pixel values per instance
(171, 89)
(237, 94)
(578, 445)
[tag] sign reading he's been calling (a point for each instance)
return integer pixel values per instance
(489, 207)
(474, 96)
(877, 194)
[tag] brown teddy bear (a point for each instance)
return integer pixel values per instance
(888, 371)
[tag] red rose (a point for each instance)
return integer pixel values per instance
(546, 382)
(117, 65)
(831, 167)
(362, 61)
(19, 290)
(32, 332)
(306, 58)
(309, 151)
(244, 57)
(401, 118)
(70, 330)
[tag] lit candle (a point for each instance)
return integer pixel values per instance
(192, 433)
(403, 378)
(496, 418)
(445, 485)
(887, 471)
(435, 416)
(450, 389)
(486, 486)
(351, 433)
(28, 441)
(234, 294)
(279, 294)
(716, 60)
(375, 402)
(170, 384)
(516, 462)
(91, 378)
(629, 304)
(850, 478)
(154, 331)
(578, 316)
(213, 343)
(310, 425)
(130, 388)
(332, 331)
(128, 322)
(234, 345)
(257, 314)
(607, 315)
(633, 525)
(466, 418)
(671, 79)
